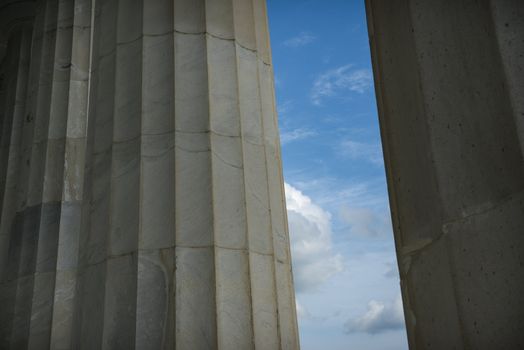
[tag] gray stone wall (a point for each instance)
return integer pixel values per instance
(141, 186)
(449, 78)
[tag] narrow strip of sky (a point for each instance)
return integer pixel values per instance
(345, 269)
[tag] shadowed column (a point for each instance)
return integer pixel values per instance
(145, 205)
(449, 80)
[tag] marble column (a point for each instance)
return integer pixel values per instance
(450, 89)
(142, 202)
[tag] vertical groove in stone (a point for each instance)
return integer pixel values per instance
(243, 34)
(70, 333)
(70, 192)
(262, 44)
(10, 223)
(9, 240)
(156, 241)
(49, 152)
(8, 81)
(31, 180)
(122, 257)
(233, 297)
(287, 321)
(261, 262)
(9, 87)
(95, 218)
(195, 272)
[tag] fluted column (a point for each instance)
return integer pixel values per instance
(149, 211)
(450, 88)
(15, 68)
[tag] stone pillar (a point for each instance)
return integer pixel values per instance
(450, 89)
(141, 181)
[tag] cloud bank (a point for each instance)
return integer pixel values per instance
(339, 80)
(380, 317)
(302, 312)
(302, 39)
(295, 135)
(366, 222)
(314, 260)
(370, 152)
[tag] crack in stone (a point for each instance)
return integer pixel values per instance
(425, 243)
(139, 136)
(158, 155)
(264, 205)
(224, 135)
(192, 132)
(121, 43)
(225, 162)
(192, 151)
(253, 143)
(126, 169)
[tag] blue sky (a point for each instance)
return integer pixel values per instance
(345, 270)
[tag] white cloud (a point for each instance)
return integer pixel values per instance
(380, 317)
(314, 260)
(338, 80)
(332, 192)
(368, 222)
(302, 312)
(391, 270)
(302, 39)
(371, 152)
(277, 81)
(284, 107)
(295, 135)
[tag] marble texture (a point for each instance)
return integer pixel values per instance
(142, 202)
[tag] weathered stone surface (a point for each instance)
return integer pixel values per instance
(140, 178)
(449, 79)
